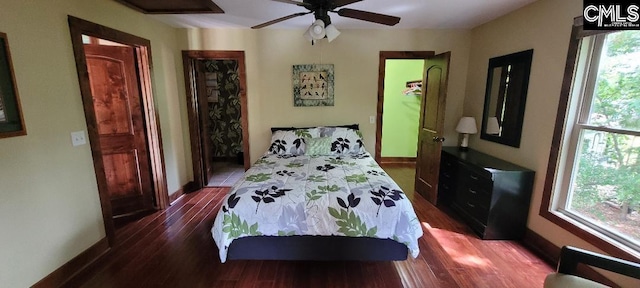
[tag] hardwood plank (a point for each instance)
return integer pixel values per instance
(174, 248)
(130, 230)
(250, 279)
(284, 276)
(141, 249)
(183, 255)
(142, 227)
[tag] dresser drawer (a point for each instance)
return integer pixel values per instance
(477, 212)
(473, 177)
(475, 204)
(447, 180)
(448, 169)
(478, 194)
(473, 193)
(447, 187)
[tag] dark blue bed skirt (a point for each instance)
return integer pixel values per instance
(316, 248)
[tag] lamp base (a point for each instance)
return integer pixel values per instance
(464, 145)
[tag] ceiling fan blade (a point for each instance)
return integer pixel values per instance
(265, 24)
(340, 3)
(296, 2)
(369, 16)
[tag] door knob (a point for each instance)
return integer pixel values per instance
(438, 139)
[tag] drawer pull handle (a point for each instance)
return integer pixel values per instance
(471, 205)
(473, 177)
(473, 191)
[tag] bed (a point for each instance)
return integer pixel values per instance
(316, 194)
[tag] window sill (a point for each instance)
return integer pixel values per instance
(593, 237)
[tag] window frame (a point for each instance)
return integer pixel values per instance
(566, 119)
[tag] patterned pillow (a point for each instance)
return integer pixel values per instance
(344, 140)
(318, 146)
(291, 142)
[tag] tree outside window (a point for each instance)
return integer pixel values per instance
(603, 187)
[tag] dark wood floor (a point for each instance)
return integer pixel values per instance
(174, 248)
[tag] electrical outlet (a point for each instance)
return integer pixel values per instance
(77, 138)
(372, 119)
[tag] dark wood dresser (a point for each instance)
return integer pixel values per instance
(491, 195)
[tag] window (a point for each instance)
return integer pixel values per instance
(596, 167)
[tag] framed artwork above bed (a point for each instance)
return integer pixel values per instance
(313, 85)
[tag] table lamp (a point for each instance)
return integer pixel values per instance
(466, 126)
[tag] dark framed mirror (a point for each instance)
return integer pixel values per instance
(505, 98)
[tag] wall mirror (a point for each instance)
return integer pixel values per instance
(505, 98)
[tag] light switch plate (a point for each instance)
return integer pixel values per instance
(78, 138)
(372, 119)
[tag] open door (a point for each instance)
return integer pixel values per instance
(121, 131)
(124, 133)
(431, 125)
(201, 96)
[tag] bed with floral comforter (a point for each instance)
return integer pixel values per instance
(345, 194)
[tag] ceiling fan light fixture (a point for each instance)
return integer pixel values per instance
(316, 31)
(307, 35)
(332, 32)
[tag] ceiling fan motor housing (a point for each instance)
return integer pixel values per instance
(322, 14)
(321, 9)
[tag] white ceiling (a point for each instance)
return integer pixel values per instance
(432, 14)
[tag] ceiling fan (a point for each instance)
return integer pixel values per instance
(321, 9)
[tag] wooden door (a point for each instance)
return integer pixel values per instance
(121, 128)
(203, 108)
(431, 125)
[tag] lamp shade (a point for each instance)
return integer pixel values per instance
(316, 31)
(492, 126)
(467, 125)
(332, 32)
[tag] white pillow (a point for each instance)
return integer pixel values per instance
(291, 142)
(344, 140)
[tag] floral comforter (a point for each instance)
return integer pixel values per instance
(283, 195)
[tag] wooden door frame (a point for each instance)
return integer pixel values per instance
(384, 56)
(188, 56)
(142, 49)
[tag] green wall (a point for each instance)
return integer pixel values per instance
(401, 112)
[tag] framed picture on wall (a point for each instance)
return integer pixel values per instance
(313, 85)
(11, 121)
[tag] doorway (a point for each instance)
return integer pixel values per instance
(433, 94)
(402, 97)
(115, 84)
(217, 101)
(398, 90)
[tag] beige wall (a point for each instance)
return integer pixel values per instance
(544, 26)
(49, 206)
(270, 55)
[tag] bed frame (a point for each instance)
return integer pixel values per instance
(316, 248)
